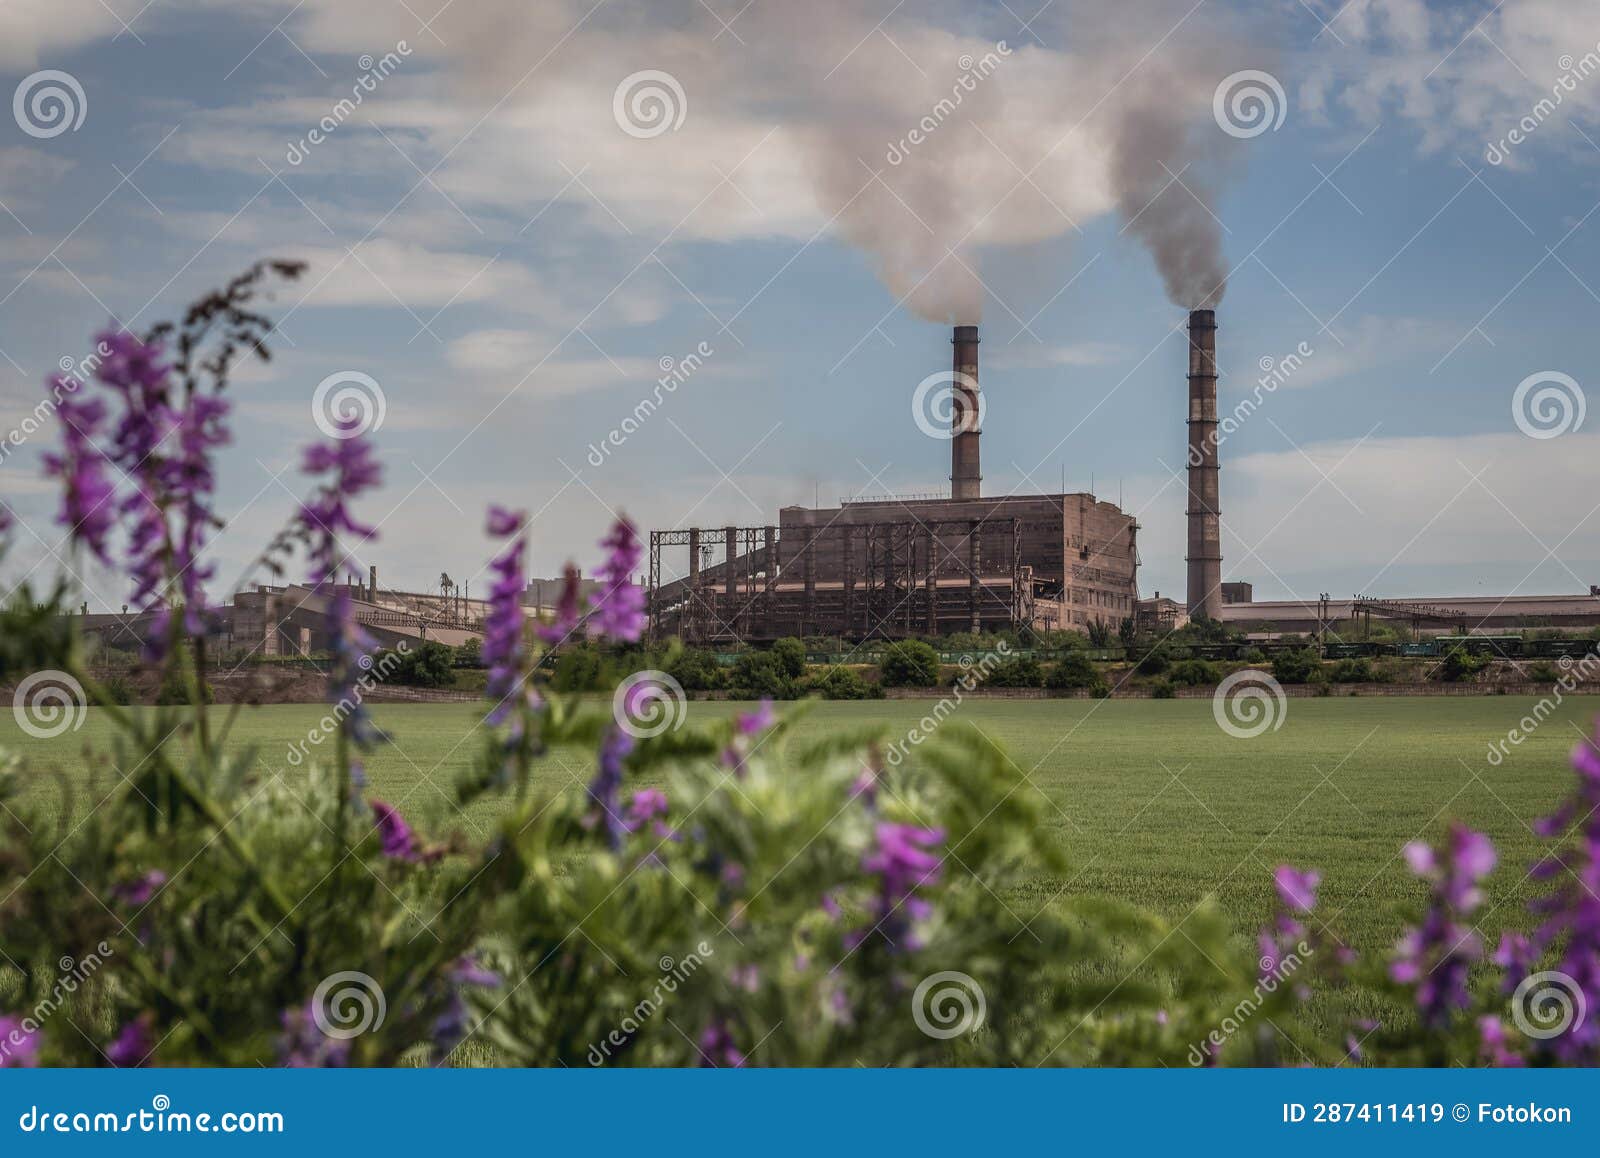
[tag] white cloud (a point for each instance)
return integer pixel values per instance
(1419, 512)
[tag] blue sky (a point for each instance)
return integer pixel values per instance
(491, 246)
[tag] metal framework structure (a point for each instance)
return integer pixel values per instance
(875, 580)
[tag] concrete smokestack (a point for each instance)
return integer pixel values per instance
(1205, 520)
(966, 479)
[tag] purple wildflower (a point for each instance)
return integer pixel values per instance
(450, 1028)
(399, 842)
(902, 863)
(606, 787)
(468, 970)
(1571, 910)
(326, 516)
(134, 1043)
(717, 1048)
(142, 891)
(758, 721)
(569, 612)
(19, 1045)
(646, 805)
(619, 604)
(1284, 938)
(303, 1045)
(1516, 955)
(1436, 956)
(745, 726)
(503, 644)
(1298, 890)
(1492, 1044)
(87, 509)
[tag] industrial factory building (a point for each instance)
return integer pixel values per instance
(892, 568)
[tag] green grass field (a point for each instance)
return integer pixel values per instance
(1154, 803)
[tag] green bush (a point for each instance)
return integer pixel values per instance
(426, 665)
(1300, 666)
(1022, 672)
(1195, 673)
(843, 683)
(697, 670)
(1254, 655)
(1075, 670)
(1162, 690)
(1154, 662)
(760, 675)
(791, 656)
(1543, 672)
(1461, 666)
(1353, 671)
(909, 663)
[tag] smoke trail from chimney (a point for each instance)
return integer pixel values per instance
(927, 141)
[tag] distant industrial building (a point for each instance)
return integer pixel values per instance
(897, 567)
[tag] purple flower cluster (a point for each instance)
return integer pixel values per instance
(504, 648)
(747, 726)
(19, 1046)
(618, 607)
(605, 790)
(648, 804)
(569, 610)
(1571, 910)
(450, 1028)
(1297, 893)
(303, 1045)
(352, 470)
(171, 480)
(134, 1043)
(902, 863)
(142, 890)
(717, 1048)
(88, 509)
(1436, 956)
(394, 834)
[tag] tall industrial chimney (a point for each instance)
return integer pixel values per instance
(1205, 522)
(965, 477)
